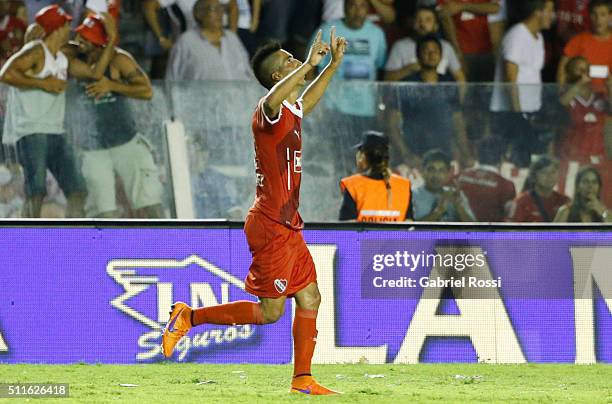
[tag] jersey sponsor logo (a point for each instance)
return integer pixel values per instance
(259, 177)
(280, 285)
(297, 161)
(155, 280)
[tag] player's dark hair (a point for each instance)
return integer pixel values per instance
(258, 63)
(436, 155)
(540, 164)
(598, 3)
(490, 151)
(424, 40)
(579, 203)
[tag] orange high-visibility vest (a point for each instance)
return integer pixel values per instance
(370, 196)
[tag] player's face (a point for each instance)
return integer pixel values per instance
(287, 64)
(577, 70)
(547, 16)
(436, 175)
(548, 177)
(425, 23)
(588, 187)
(600, 19)
(355, 13)
(430, 55)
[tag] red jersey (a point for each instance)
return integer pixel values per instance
(572, 18)
(585, 135)
(472, 30)
(278, 163)
(524, 208)
(488, 192)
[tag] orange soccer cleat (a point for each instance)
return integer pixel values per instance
(308, 385)
(177, 327)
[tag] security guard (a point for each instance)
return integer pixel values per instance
(375, 194)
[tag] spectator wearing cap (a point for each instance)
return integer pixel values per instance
(595, 45)
(209, 52)
(110, 142)
(436, 200)
(488, 193)
(403, 59)
(375, 194)
(34, 119)
(428, 117)
(539, 202)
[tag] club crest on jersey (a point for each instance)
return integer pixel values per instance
(280, 285)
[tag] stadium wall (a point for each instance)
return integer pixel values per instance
(99, 292)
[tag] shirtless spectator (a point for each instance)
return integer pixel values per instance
(34, 118)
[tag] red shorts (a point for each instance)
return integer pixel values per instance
(282, 264)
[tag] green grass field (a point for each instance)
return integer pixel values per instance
(193, 383)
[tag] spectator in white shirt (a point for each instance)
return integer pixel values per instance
(209, 52)
(518, 89)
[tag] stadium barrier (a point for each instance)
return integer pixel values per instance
(200, 133)
(100, 292)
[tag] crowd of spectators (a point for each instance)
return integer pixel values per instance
(517, 45)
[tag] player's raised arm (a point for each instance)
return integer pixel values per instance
(315, 90)
(283, 89)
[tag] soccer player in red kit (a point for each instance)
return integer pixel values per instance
(282, 266)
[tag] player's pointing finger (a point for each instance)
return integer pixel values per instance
(333, 35)
(319, 35)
